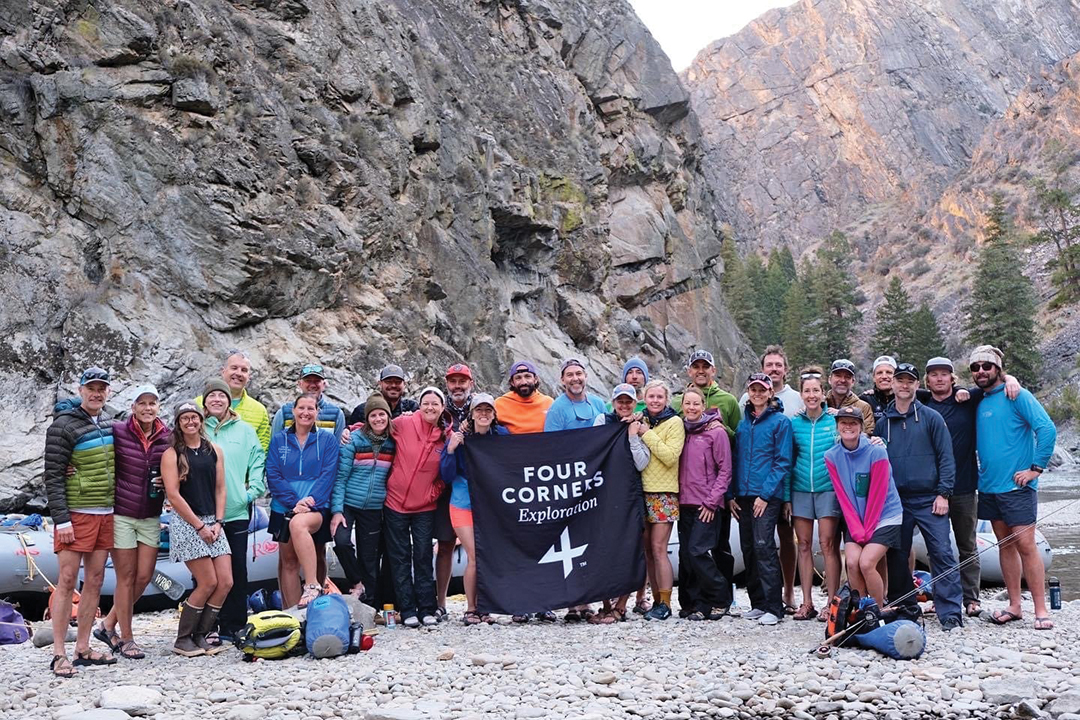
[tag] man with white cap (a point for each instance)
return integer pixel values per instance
(139, 443)
(392, 387)
(1015, 440)
(958, 407)
(81, 506)
(879, 396)
(701, 369)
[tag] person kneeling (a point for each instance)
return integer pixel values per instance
(862, 478)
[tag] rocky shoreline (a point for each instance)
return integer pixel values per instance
(676, 670)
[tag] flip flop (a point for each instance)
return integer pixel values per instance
(1001, 617)
(973, 609)
(1044, 623)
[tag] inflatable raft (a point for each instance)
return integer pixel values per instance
(989, 561)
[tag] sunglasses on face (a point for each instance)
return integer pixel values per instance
(985, 367)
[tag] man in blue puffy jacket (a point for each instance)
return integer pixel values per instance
(921, 455)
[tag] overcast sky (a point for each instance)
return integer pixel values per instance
(683, 27)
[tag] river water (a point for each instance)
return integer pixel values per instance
(1059, 521)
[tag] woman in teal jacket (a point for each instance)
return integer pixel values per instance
(358, 496)
(812, 495)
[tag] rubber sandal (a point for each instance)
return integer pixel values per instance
(1002, 617)
(130, 650)
(696, 616)
(62, 668)
(642, 607)
(213, 639)
(310, 593)
(572, 616)
(805, 612)
(973, 609)
(823, 616)
(587, 614)
(107, 637)
(547, 616)
(618, 615)
(472, 617)
(1044, 623)
(93, 657)
(485, 618)
(440, 614)
(522, 619)
(597, 618)
(789, 609)
(718, 613)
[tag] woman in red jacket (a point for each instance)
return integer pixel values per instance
(412, 490)
(138, 443)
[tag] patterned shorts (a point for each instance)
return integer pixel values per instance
(661, 507)
(185, 544)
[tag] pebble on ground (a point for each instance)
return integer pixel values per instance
(672, 670)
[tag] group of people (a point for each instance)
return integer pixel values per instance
(385, 483)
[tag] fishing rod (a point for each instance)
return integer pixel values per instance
(1024, 528)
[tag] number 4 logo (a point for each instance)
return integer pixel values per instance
(565, 553)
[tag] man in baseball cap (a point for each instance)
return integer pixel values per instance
(523, 408)
(392, 386)
(879, 396)
(701, 369)
(312, 380)
(841, 381)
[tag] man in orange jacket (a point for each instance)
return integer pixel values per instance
(524, 408)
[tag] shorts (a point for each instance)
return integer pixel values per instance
(443, 528)
(92, 532)
(460, 517)
(661, 508)
(278, 528)
(129, 532)
(814, 506)
(185, 544)
(1014, 508)
(889, 536)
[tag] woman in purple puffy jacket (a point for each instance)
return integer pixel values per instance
(138, 443)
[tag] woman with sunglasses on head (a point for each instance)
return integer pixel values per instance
(301, 467)
(454, 471)
(812, 495)
(193, 471)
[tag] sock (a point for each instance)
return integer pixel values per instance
(665, 597)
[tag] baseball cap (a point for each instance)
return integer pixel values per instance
(940, 362)
(459, 369)
(849, 412)
(147, 390)
(313, 369)
(481, 399)
(884, 360)
(392, 371)
(843, 364)
(623, 389)
(570, 362)
(906, 369)
(94, 374)
(521, 366)
(759, 378)
(700, 355)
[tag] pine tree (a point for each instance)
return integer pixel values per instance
(797, 328)
(754, 281)
(787, 263)
(893, 321)
(833, 296)
(771, 300)
(1060, 223)
(924, 338)
(729, 253)
(1001, 306)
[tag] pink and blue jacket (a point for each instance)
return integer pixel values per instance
(863, 481)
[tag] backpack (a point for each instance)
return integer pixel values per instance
(13, 629)
(272, 635)
(843, 609)
(327, 627)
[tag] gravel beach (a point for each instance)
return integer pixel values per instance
(676, 669)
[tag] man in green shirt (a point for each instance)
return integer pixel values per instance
(701, 368)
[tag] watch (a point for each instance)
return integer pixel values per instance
(1036, 468)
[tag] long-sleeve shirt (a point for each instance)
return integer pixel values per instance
(245, 463)
(705, 463)
(1011, 436)
(920, 450)
(865, 489)
(638, 449)
(522, 415)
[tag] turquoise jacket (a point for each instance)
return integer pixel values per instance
(1011, 436)
(245, 463)
(362, 470)
(812, 438)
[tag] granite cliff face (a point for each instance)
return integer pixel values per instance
(831, 113)
(356, 181)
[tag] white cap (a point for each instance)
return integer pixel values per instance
(885, 360)
(146, 390)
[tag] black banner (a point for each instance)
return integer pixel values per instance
(558, 518)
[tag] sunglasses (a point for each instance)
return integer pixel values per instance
(985, 367)
(806, 376)
(95, 375)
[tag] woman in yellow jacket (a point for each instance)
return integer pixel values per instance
(663, 433)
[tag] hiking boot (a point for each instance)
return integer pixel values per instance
(207, 623)
(951, 623)
(659, 611)
(189, 620)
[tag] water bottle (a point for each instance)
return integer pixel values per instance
(154, 476)
(734, 599)
(389, 617)
(1055, 594)
(356, 638)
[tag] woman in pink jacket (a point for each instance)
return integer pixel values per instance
(412, 490)
(704, 477)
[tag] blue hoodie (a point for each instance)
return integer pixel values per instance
(763, 450)
(1011, 436)
(293, 474)
(454, 472)
(920, 450)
